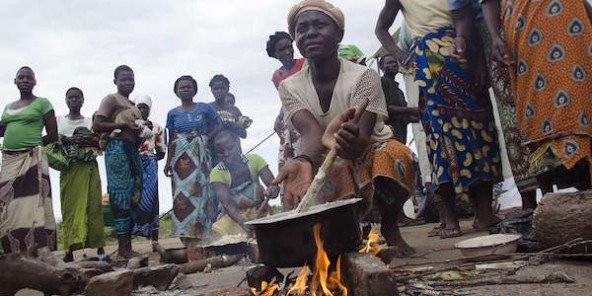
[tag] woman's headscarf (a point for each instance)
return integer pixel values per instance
(351, 52)
(143, 99)
(317, 5)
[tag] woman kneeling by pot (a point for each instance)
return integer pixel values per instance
(235, 180)
(320, 102)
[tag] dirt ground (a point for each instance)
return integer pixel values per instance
(428, 249)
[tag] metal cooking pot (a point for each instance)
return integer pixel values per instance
(286, 239)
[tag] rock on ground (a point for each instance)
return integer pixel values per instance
(116, 283)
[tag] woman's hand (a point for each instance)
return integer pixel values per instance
(459, 49)
(272, 191)
(168, 170)
(342, 134)
(498, 51)
(160, 155)
(296, 176)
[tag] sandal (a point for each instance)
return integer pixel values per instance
(450, 233)
(436, 230)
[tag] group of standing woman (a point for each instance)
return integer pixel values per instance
(132, 145)
(536, 56)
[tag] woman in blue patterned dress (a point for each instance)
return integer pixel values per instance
(189, 162)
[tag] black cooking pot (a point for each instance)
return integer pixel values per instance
(286, 239)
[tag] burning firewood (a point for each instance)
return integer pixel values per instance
(266, 289)
(371, 246)
(299, 287)
(322, 281)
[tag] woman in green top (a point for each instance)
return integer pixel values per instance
(26, 213)
(236, 182)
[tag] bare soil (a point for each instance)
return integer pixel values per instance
(428, 249)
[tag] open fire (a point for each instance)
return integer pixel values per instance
(322, 282)
(371, 246)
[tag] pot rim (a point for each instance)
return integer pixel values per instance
(291, 215)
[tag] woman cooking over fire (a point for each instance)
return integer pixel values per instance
(318, 101)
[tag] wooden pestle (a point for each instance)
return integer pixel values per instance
(315, 186)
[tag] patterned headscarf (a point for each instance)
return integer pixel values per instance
(317, 5)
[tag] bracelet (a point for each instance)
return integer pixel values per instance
(305, 158)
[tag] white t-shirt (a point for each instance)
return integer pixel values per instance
(354, 84)
(66, 126)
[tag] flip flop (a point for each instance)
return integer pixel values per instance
(450, 233)
(436, 230)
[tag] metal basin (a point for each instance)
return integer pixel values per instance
(286, 239)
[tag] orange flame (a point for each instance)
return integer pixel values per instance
(335, 279)
(299, 287)
(322, 283)
(369, 248)
(320, 276)
(266, 289)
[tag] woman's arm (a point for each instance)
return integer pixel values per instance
(266, 176)
(102, 125)
(402, 114)
(463, 26)
(386, 19)
(2, 129)
(491, 13)
(170, 151)
(296, 175)
(311, 133)
(588, 9)
(223, 193)
(51, 128)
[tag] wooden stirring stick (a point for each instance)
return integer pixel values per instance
(316, 185)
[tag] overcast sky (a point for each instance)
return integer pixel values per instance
(79, 43)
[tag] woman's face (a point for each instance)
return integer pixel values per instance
(25, 80)
(284, 51)
(74, 99)
(317, 35)
(219, 90)
(227, 149)
(125, 82)
(144, 110)
(186, 90)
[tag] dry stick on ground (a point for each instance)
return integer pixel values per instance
(214, 262)
(485, 258)
(520, 256)
(553, 278)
